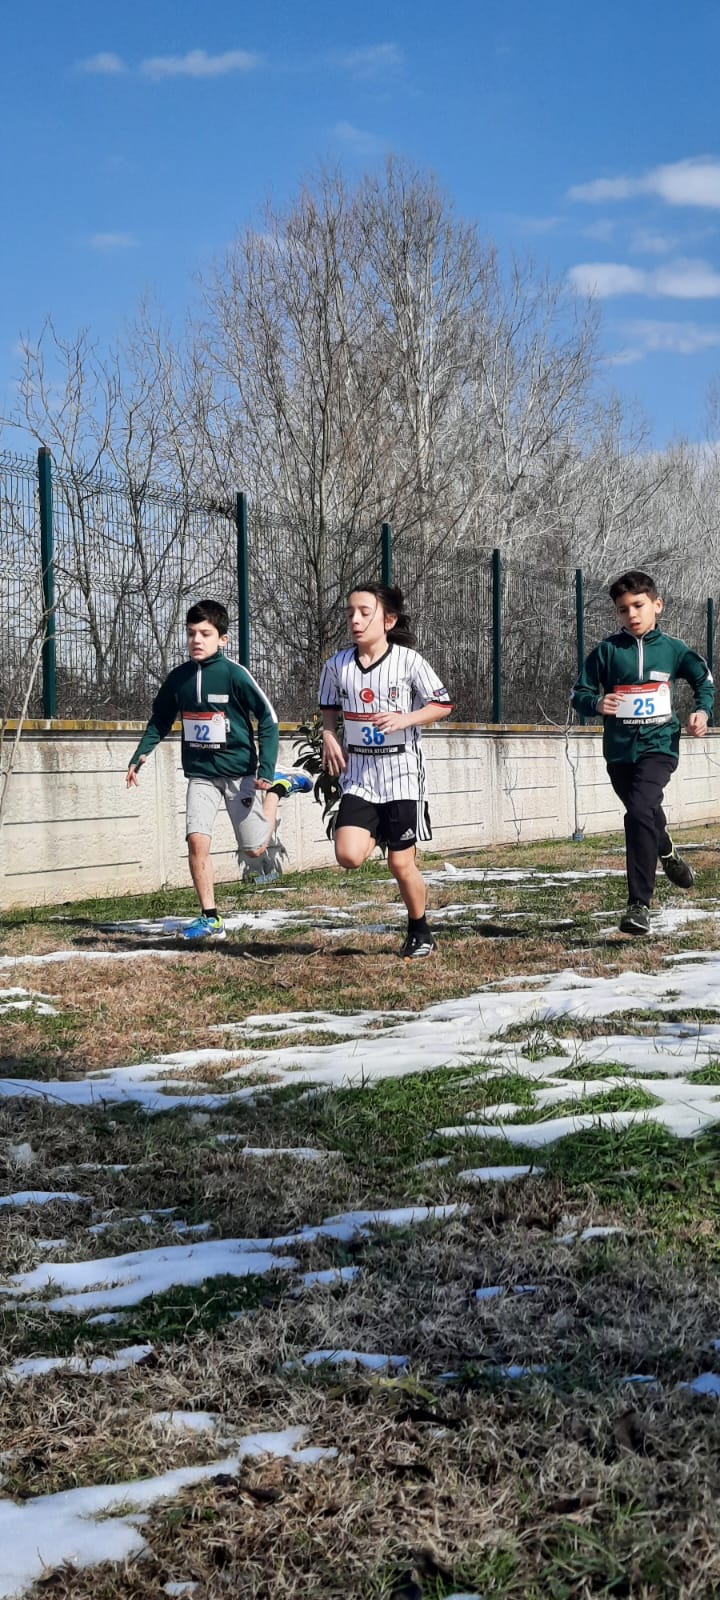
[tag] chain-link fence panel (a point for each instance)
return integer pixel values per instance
(449, 599)
(21, 596)
(128, 563)
(299, 580)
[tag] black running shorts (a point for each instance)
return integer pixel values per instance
(394, 824)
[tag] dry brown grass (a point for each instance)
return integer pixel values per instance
(571, 1485)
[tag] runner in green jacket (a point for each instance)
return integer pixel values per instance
(215, 700)
(628, 678)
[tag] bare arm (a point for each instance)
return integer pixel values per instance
(333, 759)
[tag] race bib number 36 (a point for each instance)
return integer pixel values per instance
(206, 729)
(647, 703)
(363, 735)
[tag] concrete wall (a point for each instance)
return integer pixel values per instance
(71, 829)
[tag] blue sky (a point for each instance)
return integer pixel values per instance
(138, 140)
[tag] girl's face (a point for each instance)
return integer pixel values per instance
(368, 624)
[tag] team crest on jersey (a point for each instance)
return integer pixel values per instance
(393, 692)
(367, 696)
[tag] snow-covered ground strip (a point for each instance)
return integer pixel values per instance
(378, 1045)
(372, 1361)
(27, 1000)
(529, 877)
(497, 1174)
(55, 957)
(37, 1366)
(83, 1527)
(124, 1280)
(43, 1197)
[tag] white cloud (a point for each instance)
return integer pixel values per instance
(646, 243)
(678, 280)
(687, 280)
(677, 338)
(666, 338)
(198, 64)
(605, 278)
(358, 140)
(365, 63)
(695, 182)
(105, 63)
(112, 241)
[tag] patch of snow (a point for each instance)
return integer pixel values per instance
(457, 1033)
(589, 1233)
(37, 1366)
(186, 1421)
(497, 1174)
(124, 1280)
(82, 1527)
(373, 1362)
(329, 1275)
(42, 1197)
(26, 1000)
(705, 1383)
(55, 957)
(433, 1163)
(20, 1155)
(181, 1587)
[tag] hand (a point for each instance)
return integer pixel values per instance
(333, 760)
(390, 721)
(697, 724)
(132, 773)
(263, 783)
(608, 705)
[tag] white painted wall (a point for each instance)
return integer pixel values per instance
(72, 829)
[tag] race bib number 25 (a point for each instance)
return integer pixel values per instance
(643, 703)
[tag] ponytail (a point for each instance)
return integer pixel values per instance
(392, 602)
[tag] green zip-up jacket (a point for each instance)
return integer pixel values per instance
(223, 688)
(655, 659)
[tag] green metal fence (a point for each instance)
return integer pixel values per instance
(96, 576)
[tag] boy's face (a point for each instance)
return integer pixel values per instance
(637, 612)
(204, 640)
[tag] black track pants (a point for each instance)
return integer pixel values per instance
(640, 785)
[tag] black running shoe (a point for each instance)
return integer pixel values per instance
(678, 871)
(417, 946)
(635, 918)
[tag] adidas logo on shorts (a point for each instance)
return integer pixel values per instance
(408, 834)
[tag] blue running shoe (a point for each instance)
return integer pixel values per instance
(205, 928)
(285, 783)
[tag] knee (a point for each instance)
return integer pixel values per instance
(346, 858)
(253, 854)
(401, 864)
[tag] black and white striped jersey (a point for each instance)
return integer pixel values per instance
(381, 767)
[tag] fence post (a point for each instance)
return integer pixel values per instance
(49, 664)
(580, 624)
(243, 579)
(497, 636)
(386, 554)
(711, 640)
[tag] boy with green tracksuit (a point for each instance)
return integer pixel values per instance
(215, 700)
(628, 679)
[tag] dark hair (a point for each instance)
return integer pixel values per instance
(634, 582)
(209, 611)
(392, 602)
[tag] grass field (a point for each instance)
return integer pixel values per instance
(326, 1275)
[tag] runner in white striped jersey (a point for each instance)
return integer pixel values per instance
(386, 692)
